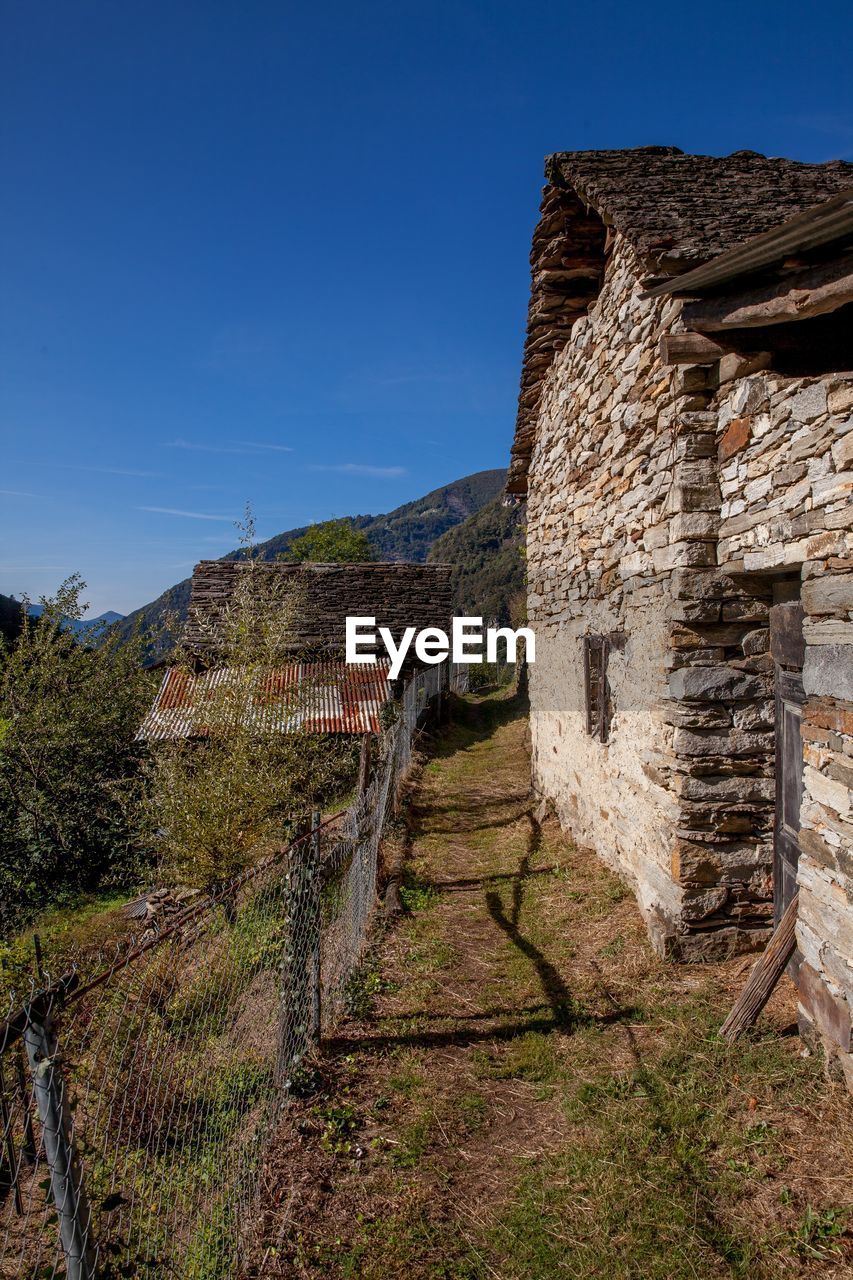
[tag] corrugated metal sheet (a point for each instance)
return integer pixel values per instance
(320, 697)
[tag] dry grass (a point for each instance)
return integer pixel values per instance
(529, 1092)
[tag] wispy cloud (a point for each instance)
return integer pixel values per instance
(273, 448)
(249, 447)
(17, 493)
(190, 515)
(406, 379)
(108, 471)
(33, 568)
(359, 469)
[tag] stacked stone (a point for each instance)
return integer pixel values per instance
(566, 263)
(722, 710)
(623, 524)
(602, 547)
(786, 451)
(396, 595)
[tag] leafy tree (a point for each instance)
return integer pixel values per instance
(223, 797)
(70, 782)
(332, 542)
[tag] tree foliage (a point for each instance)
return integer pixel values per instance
(70, 781)
(487, 555)
(332, 542)
(223, 798)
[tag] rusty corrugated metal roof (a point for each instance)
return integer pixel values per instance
(320, 697)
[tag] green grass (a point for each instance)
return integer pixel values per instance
(656, 1180)
(414, 1141)
(82, 922)
(593, 1126)
(473, 1111)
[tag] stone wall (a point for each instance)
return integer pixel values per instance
(624, 516)
(397, 595)
(786, 457)
(600, 555)
(670, 506)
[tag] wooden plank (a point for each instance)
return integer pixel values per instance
(799, 296)
(787, 645)
(765, 974)
(587, 681)
(603, 648)
(690, 348)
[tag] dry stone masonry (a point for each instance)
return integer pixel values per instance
(397, 595)
(675, 505)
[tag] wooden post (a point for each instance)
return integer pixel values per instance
(9, 1144)
(364, 763)
(66, 1175)
(315, 923)
(766, 972)
(40, 963)
(28, 1149)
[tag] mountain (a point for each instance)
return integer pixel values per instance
(407, 533)
(486, 552)
(80, 626)
(88, 626)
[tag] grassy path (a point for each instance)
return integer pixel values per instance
(524, 1091)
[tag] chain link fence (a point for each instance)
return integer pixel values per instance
(135, 1101)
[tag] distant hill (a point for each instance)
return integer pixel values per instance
(81, 626)
(405, 534)
(85, 626)
(488, 565)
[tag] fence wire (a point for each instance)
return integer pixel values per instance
(135, 1103)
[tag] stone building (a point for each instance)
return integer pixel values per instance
(397, 595)
(311, 687)
(684, 443)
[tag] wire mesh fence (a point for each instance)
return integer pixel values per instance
(135, 1101)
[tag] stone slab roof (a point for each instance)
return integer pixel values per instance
(397, 595)
(678, 210)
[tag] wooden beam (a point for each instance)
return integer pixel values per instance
(801, 296)
(765, 974)
(689, 348)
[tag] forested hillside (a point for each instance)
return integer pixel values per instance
(486, 552)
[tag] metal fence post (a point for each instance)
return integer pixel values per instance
(314, 917)
(66, 1175)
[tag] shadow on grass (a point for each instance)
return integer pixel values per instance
(425, 1039)
(479, 882)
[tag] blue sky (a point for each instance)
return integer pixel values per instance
(278, 252)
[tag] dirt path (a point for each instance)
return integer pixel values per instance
(525, 1091)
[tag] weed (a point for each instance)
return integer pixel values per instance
(473, 1110)
(615, 947)
(408, 1075)
(532, 1057)
(414, 1142)
(338, 1125)
(819, 1231)
(417, 895)
(362, 990)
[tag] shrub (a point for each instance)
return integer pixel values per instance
(71, 788)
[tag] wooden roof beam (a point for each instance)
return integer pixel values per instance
(800, 296)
